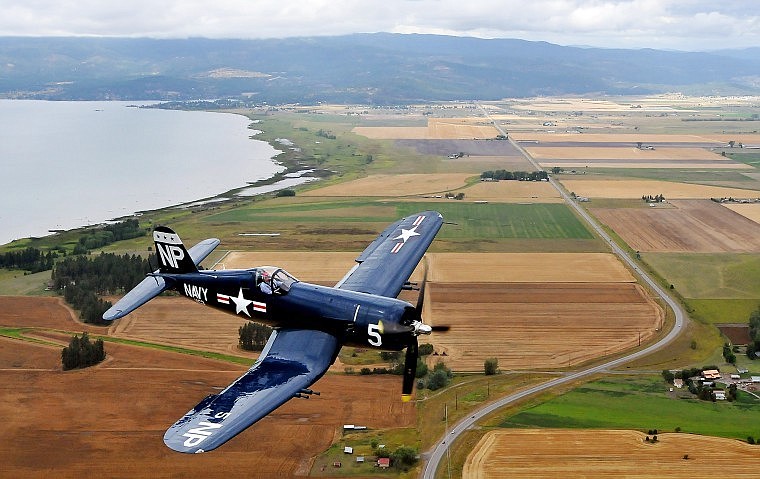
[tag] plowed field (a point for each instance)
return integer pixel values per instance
(634, 189)
(109, 421)
(699, 226)
(537, 325)
(542, 453)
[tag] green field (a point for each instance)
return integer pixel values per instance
(709, 275)
(642, 403)
(473, 221)
(717, 311)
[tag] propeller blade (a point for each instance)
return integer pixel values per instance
(421, 295)
(410, 368)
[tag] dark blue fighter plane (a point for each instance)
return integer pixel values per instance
(311, 322)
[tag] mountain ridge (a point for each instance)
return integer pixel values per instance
(376, 68)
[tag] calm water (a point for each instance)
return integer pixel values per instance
(69, 164)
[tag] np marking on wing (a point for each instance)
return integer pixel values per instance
(199, 434)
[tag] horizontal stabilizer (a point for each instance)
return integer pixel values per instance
(199, 252)
(146, 290)
(154, 285)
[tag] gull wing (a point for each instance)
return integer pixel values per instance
(292, 360)
(387, 263)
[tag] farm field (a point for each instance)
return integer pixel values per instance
(634, 189)
(331, 225)
(437, 128)
(137, 393)
(665, 154)
(512, 192)
(641, 403)
(645, 164)
(710, 275)
(537, 325)
(750, 211)
(606, 454)
(176, 321)
(394, 185)
(632, 138)
(526, 268)
(683, 226)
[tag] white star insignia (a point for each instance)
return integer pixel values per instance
(406, 234)
(241, 304)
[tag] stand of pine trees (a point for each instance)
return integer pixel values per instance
(29, 259)
(253, 336)
(81, 353)
(82, 279)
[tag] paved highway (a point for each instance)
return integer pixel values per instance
(435, 456)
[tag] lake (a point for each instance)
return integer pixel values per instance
(70, 164)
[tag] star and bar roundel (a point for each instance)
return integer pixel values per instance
(241, 303)
(406, 234)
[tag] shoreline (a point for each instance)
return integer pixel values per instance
(289, 172)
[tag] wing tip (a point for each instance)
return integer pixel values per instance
(406, 397)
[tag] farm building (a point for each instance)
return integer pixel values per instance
(711, 374)
(384, 463)
(348, 450)
(755, 379)
(719, 395)
(678, 383)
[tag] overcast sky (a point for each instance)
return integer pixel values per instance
(665, 24)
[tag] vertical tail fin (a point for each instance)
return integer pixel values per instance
(172, 255)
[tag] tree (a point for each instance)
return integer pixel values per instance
(253, 336)
(424, 349)
(491, 366)
(404, 457)
(728, 355)
(422, 368)
(556, 170)
(440, 376)
(81, 353)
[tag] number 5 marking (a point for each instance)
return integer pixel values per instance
(373, 331)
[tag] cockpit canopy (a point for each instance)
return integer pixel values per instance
(274, 280)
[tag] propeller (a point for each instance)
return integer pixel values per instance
(412, 349)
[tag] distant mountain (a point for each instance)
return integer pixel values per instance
(363, 68)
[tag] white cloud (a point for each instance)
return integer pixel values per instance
(678, 24)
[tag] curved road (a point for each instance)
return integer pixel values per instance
(435, 456)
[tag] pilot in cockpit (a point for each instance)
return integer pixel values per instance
(265, 282)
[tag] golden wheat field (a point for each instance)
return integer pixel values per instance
(553, 453)
(634, 189)
(394, 185)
